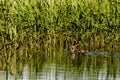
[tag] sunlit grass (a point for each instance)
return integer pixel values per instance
(38, 31)
(48, 23)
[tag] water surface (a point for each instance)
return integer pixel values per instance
(90, 67)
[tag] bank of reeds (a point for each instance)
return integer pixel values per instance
(30, 24)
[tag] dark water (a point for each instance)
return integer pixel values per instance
(62, 67)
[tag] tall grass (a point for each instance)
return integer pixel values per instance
(91, 24)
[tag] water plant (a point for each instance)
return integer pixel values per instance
(93, 25)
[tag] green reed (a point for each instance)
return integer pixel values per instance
(32, 24)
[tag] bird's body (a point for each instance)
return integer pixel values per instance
(75, 52)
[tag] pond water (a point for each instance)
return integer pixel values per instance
(62, 68)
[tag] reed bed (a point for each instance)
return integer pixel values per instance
(38, 31)
(27, 25)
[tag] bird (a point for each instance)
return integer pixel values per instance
(75, 52)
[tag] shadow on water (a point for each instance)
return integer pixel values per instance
(59, 66)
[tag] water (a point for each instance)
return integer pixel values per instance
(62, 68)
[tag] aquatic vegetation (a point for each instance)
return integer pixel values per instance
(37, 32)
(92, 25)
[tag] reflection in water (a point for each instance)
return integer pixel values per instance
(53, 72)
(25, 72)
(82, 68)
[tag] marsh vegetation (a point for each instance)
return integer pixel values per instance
(93, 24)
(43, 29)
